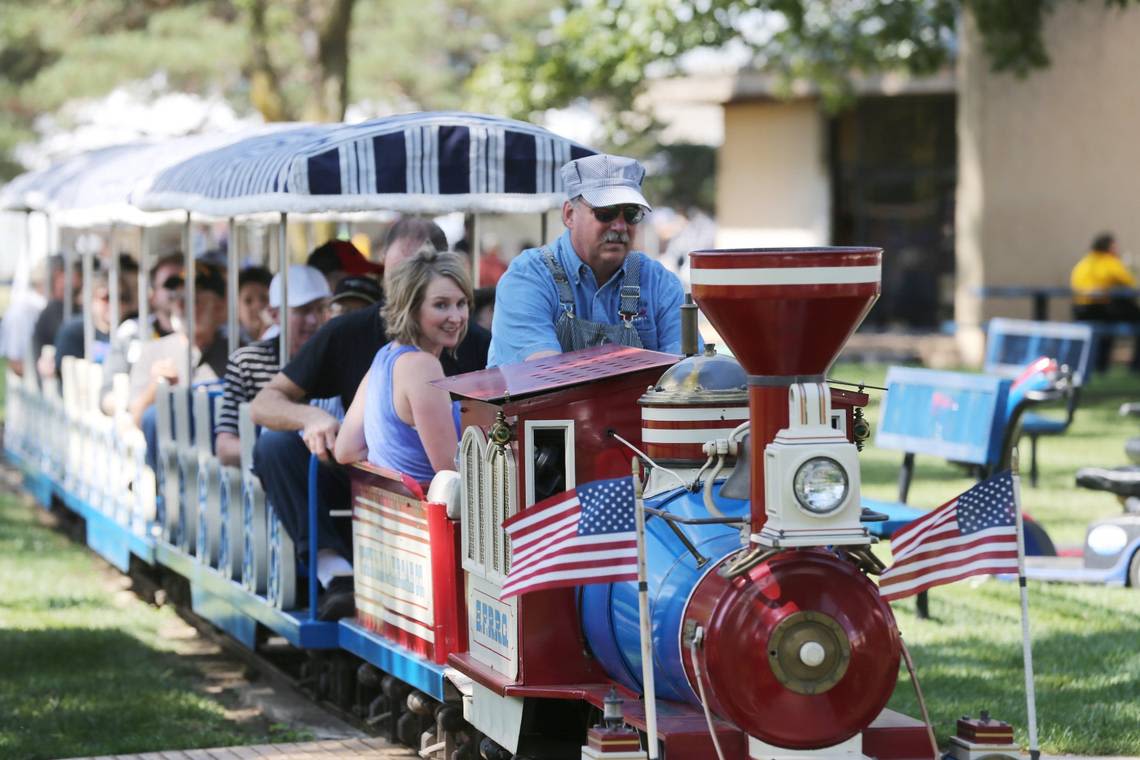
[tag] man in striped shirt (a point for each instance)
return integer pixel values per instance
(252, 366)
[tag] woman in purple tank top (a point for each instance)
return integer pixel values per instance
(398, 419)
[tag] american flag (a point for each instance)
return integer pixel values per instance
(973, 534)
(584, 535)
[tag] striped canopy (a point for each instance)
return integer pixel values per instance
(94, 187)
(101, 192)
(32, 191)
(428, 163)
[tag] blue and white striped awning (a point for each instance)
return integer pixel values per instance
(101, 192)
(32, 191)
(426, 163)
(94, 187)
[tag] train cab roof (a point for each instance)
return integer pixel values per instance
(514, 382)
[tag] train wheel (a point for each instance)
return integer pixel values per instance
(282, 580)
(202, 548)
(188, 506)
(253, 561)
(211, 484)
(230, 533)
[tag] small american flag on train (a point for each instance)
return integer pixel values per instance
(584, 535)
(973, 534)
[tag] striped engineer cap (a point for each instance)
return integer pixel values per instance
(605, 180)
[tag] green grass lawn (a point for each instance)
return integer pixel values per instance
(83, 670)
(89, 670)
(1086, 640)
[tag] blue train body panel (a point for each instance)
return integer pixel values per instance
(610, 612)
(212, 593)
(392, 658)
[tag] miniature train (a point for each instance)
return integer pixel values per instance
(767, 634)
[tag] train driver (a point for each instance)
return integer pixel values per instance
(589, 287)
(398, 419)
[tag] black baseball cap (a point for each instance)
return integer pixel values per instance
(206, 277)
(364, 288)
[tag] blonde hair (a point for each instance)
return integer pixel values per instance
(406, 285)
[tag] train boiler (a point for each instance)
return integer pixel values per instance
(766, 630)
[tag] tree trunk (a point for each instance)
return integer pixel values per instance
(329, 97)
(264, 84)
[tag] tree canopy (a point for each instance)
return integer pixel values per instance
(308, 59)
(287, 59)
(602, 49)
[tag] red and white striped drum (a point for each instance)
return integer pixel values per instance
(785, 312)
(698, 399)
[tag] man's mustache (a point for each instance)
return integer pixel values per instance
(615, 236)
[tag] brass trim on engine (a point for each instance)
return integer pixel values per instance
(808, 652)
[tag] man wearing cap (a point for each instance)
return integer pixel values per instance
(354, 293)
(166, 358)
(251, 367)
(589, 287)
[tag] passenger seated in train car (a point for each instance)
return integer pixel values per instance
(338, 259)
(51, 316)
(69, 340)
(20, 317)
(251, 367)
(398, 420)
(354, 293)
(253, 300)
(165, 306)
(332, 364)
(590, 286)
(483, 310)
(166, 358)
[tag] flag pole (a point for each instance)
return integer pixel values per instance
(650, 691)
(1027, 647)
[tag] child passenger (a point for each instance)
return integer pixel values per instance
(397, 419)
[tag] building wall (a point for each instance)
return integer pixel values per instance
(772, 178)
(1046, 161)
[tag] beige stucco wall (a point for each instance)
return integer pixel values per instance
(1047, 161)
(772, 184)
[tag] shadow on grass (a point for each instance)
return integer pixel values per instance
(1088, 689)
(85, 691)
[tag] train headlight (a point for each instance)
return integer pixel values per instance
(820, 485)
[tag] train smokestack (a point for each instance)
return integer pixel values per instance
(786, 314)
(689, 313)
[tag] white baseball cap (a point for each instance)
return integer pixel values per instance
(306, 285)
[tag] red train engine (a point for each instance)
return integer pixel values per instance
(766, 630)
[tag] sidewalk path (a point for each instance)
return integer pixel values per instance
(372, 748)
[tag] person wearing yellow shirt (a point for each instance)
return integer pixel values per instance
(1100, 271)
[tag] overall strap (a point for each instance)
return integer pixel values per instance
(561, 281)
(631, 287)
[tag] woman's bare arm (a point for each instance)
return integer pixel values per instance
(430, 406)
(350, 444)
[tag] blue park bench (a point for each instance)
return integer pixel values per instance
(1013, 344)
(966, 418)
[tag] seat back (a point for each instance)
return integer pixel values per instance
(954, 415)
(1011, 344)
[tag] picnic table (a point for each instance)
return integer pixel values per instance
(1040, 295)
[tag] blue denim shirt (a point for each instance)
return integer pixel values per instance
(526, 304)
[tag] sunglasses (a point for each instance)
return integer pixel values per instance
(606, 214)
